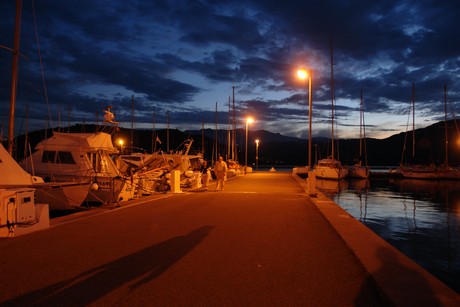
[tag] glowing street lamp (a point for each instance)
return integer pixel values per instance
(257, 155)
(249, 120)
(304, 74)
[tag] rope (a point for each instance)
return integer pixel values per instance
(41, 64)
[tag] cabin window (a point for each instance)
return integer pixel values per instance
(48, 156)
(63, 157)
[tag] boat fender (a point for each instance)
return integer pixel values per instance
(94, 186)
(37, 179)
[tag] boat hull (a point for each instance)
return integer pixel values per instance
(330, 169)
(331, 173)
(62, 196)
(105, 190)
(432, 174)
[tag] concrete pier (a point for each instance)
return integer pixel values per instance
(260, 241)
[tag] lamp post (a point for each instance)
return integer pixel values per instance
(257, 155)
(311, 182)
(303, 74)
(249, 120)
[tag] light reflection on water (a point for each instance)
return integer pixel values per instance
(420, 218)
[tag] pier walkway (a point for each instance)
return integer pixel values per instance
(260, 242)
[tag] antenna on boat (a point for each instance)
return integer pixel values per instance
(109, 117)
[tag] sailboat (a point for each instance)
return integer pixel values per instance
(19, 213)
(432, 171)
(413, 170)
(359, 170)
(330, 168)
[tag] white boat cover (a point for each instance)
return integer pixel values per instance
(83, 141)
(11, 172)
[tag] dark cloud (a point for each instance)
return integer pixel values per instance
(183, 56)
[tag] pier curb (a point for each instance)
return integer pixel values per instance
(402, 280)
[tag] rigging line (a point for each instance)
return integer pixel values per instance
(41, 63)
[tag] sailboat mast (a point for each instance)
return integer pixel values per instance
(202, 137)
(216, 151)
(364, 131)
(446, 158)
(154, 138)
(234, 127)
(26, 136)
(69, 108)
(332, 99)
(132, 123)
(229, 139)
(413, 121)
(361, 126)
(14, 75)
(167, 131)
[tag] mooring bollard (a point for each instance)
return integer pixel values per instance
(311, 184)
(175, 182)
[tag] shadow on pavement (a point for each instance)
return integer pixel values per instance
(87, 287)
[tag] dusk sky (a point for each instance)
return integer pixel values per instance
(183, 57)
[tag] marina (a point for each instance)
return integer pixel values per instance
(99, 214)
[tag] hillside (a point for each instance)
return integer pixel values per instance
(276, 149)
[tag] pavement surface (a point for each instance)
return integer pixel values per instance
(261, 241)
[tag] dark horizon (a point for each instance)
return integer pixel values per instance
(277, 149)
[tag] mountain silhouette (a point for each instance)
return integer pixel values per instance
(277, 149)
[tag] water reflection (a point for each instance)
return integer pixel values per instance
(421, 218)
(331, 187)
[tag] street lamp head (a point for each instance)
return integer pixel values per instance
(302, 73)
(249, 120)
(257, 142)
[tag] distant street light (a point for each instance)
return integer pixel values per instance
(249, 120)
(257, 155)
(121, 143)
(304, 74)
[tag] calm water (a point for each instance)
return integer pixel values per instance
(420, 218)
